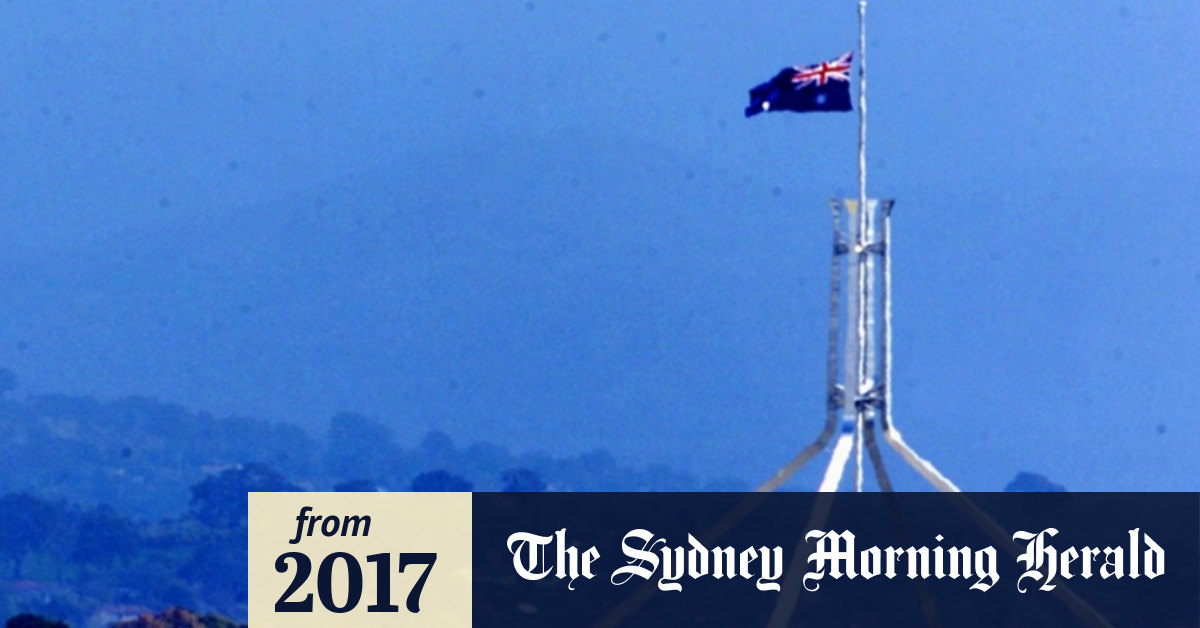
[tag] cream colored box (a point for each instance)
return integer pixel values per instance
(333, 534)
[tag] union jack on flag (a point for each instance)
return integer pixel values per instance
(823, 86)
(823, 72)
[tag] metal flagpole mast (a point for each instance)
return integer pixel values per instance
(862, 104)
(857, 351)
(863, 233)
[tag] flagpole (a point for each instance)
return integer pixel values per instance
(863, 215)
(862, 104)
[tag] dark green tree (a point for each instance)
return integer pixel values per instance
(358, 446)
(29, 620)
(360, 485)
(221, 499)
(440, 481)
(27, 523)
(522, 481)
(103, 536)
(1027, 482)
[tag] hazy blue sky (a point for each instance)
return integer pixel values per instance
(547, 224)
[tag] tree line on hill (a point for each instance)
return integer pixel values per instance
(139, 505)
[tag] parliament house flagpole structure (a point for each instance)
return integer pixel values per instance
(859, 353)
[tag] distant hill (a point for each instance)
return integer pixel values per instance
(140, 502)
(141, 456)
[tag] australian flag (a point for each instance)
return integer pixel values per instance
(821, 87)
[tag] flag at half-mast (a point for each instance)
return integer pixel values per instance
(824, 86)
